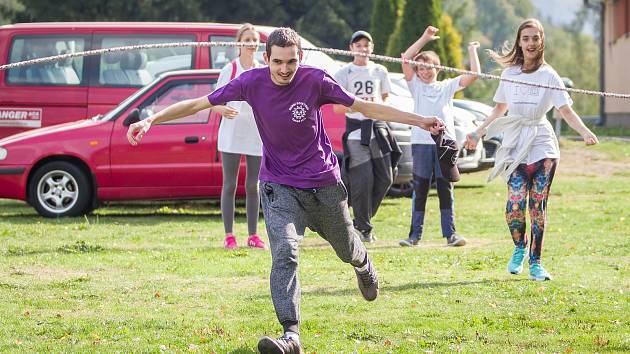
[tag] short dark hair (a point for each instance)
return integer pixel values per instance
(282, 37)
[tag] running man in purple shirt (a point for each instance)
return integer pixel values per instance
(299, 174)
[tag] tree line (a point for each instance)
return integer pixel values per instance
(394, 24)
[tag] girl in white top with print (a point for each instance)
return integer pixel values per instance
(529, 154)
(238, 136)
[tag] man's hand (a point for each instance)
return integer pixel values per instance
(226, 111)
(429, 33)
(433, 124)
(137, 130)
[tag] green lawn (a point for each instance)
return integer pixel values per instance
(154, 277)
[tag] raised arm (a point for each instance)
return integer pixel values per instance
(390, 114)
(427, 36)
(466, 80)
(576, 123)
(178, 110)
(474, 137)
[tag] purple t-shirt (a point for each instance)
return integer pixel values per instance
(296, 149)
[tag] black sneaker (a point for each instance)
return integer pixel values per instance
(282, 345)
(410, 242)
(366, 236)
(456, 240)
(368, 282)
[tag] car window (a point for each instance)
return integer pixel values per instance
(138, 68)
(222, 55)
(174, 93)
(62, 72)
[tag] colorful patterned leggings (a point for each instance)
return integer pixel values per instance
(535, 180)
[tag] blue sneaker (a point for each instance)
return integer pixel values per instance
(538, 273)
(515, 266)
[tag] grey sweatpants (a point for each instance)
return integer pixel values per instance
(288, 211)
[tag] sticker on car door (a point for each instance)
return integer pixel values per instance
(20, 117)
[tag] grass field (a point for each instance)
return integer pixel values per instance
(153, 277)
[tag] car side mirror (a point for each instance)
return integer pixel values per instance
(133, 117)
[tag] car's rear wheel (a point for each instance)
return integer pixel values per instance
(60, 188)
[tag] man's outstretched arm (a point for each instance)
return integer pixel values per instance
(178, 110)
(390, 114)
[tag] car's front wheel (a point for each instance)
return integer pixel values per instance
(60, 188)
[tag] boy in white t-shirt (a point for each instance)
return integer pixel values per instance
(369, 154)
(434, 98)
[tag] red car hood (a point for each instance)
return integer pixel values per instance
(54, 129)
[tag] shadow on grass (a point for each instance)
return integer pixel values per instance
(469, 186)
(412, 286)
(135, 218)
(104, 216)
(435, 285)
(79, 248)
(314, 242)
(614, 348)
(16, 211)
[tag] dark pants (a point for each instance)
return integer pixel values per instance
(426, 166)
(369, 176)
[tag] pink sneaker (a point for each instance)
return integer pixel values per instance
(230, 242)
(255, 242)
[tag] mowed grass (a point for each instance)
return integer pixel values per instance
(153, 277)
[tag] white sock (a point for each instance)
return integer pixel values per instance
(364, 268)
(294, 336)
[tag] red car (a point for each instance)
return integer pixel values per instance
(67, 169)
(43, 95)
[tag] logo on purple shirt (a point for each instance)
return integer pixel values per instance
(299, 111)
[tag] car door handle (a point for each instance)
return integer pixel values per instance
(191, 139)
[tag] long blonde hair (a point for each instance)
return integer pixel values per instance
(514, 56)
(241, 31)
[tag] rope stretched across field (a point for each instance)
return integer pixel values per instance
(376, 57)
